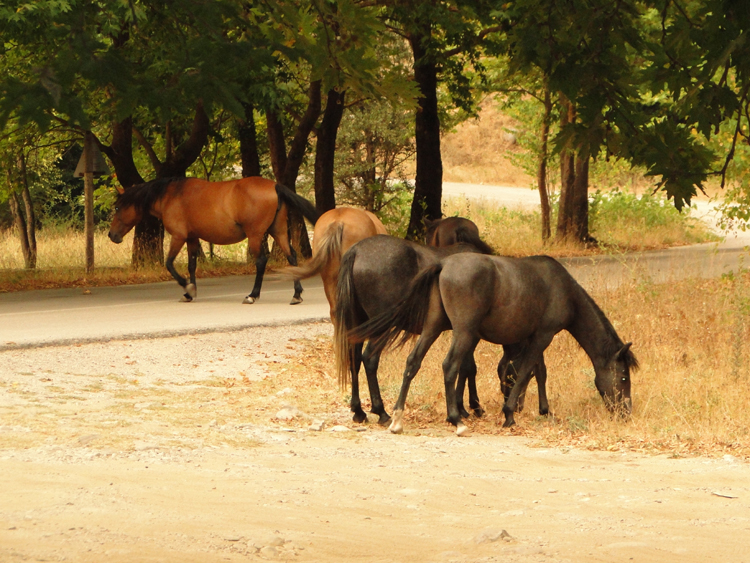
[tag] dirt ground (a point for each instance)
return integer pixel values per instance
(187, 449)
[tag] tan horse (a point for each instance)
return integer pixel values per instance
(336, 231)
(218, 212)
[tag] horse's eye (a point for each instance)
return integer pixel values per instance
(624, 379)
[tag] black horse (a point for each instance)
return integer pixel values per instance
(522, 302)
(374, 275)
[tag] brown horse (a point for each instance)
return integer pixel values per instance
(452, 230)
(218, 212)
(336, 232)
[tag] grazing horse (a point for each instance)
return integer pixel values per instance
(336, 231)
(374, 276)
(218, 212)
(509, 301)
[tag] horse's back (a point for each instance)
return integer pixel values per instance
(357, 224)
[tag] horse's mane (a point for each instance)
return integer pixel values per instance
(142, 196)
(614, 343)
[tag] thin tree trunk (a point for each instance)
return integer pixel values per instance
(580, 200)
(20, 221)
(28, 205)
(567, 178)
(429, 179)
(542, 174)
(325, 151)
(249, 143)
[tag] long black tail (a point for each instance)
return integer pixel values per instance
(345, 317)
(297, 202)
(465, 235)
(405, 319)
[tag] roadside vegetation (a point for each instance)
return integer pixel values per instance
(688, 398)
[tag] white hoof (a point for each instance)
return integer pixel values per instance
(248, 300)
(191, 290)
(186, 298)
(295, 301)
(397, 424)
(463, 430)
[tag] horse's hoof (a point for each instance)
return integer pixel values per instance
(463, 413)
(397, 424)
(508, 423)
(462, 430)
(191, 290)
(187, 298)
(249, 300)
(295, 301)
(359, 417)
(478, 412)
(543, 412)
(384, 419)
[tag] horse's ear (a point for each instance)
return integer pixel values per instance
(120, 189)
(623, 351)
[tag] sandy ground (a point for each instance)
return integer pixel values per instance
(187, 449)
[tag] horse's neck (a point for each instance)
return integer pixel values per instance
(156, 207)
(592, 331)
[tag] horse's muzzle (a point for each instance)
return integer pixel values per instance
(114, 237)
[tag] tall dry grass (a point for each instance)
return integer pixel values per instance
(689, 397)
(61, 261)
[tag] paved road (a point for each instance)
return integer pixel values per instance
(67, 315)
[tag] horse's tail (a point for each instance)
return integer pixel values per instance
(345, 317)
(328, 249)
(466, 235)
(297, 202)
(404, 319)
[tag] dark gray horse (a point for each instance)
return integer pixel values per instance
(523, 302)
(374, 275)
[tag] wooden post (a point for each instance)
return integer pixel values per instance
(88, 198)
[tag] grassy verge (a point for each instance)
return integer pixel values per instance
(620, 222)
(691, 338)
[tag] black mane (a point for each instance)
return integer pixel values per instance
(143, 196)
(614, 342)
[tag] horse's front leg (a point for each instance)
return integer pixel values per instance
(532, 355)
(372, 362)
(175, 245)
(259, 249)
(193, 246)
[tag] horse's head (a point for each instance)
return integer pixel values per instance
(126, 217)
(613, 380)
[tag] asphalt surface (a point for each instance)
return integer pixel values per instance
(44, 317)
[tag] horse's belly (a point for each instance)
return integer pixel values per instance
(507, 330)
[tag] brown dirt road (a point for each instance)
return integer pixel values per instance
(175, 449)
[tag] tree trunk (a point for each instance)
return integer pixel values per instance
(248, 144)
(20, 221)
(325, 151)
(542, 173)
(28, 205)
(580, 200)
(429, 179)
(567, 178)
(276, 144)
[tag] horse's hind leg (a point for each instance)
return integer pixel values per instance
(372, 361)
(532, 355)
(413, 363)
(356, 403)
(540, 372)
(175, 246)
(280, 234)
(259, 249)
(468, 372)
(193, 246)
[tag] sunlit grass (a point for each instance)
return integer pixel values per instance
(689, 397)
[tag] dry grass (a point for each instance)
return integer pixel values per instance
(691, 338)
(60, 262)
(517, 232)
